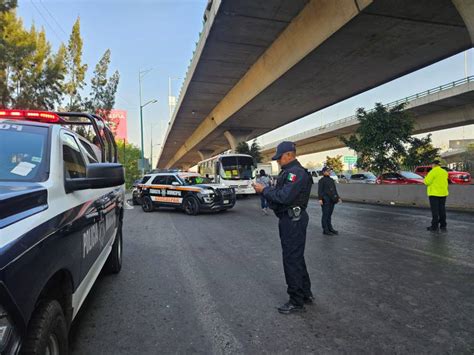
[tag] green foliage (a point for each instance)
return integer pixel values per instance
(253, 150)
(128, 156)
(103, 90)
(30, 74)
(335, 163)
(7, 5)
(421, 152)
(381, 138)
(76, 70)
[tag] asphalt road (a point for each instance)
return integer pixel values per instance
(211, 284)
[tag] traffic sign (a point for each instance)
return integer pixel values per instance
(349, 159)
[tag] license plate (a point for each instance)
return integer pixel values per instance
(226, 202)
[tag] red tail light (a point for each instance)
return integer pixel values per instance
(40, 116)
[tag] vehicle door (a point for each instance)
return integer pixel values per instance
(88, 224)
(174, 193)
(390, 178)
(157, 190)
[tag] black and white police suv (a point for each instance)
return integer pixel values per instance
(187, 191)
(61, 209)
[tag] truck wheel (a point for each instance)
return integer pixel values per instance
(114, 261)
(191, 206)
(47, 331)
(147, 204)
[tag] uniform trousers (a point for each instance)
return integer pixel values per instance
(293, 242)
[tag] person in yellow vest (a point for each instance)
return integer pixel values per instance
(437, 186)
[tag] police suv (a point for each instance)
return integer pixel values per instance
(187, 191)
(61, 210)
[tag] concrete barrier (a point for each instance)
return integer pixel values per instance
(461, 197)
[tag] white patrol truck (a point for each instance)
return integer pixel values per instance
(61, 211)
(190, 192)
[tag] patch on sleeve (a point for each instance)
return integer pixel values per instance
(291, 177)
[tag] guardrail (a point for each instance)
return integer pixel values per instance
(405, 100)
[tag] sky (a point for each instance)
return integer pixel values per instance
(161, 35)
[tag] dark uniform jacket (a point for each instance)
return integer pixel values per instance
(327, 190)
(292, 189)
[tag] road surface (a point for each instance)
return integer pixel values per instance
(211, 284)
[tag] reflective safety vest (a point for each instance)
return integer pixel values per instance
(437, 182)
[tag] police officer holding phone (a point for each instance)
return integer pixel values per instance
(289, 200)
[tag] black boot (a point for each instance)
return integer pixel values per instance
(333, 231)
(432, 229)
(327, 232)
(289, 307)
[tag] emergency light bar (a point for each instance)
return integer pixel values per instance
(40, 116)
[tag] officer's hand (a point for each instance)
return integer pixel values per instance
(258, 188)
(321, 202)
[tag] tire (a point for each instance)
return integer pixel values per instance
(114, 261)
(147, 204)
(191, 206)
(47, 331)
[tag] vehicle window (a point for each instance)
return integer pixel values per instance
(369, 176)
(23, 153)
(74, 165)
(145, 179)
(419, 170)
(410, 175)
(171, 179)
(196, 180)
(356, 177)
(160, 180)
(91, 156)
(447, 169)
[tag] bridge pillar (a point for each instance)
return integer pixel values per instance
(205, 154)
(466, 10)
(235, 137)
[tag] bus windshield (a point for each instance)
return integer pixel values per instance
(237, 168)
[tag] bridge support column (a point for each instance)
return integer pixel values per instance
(205, 154)
(466, 10)
(236, 137)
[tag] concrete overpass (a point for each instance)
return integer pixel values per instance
(446, 106)
(261, 64)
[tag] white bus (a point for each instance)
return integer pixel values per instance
(233, 170)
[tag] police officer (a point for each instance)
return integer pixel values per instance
(289, 199)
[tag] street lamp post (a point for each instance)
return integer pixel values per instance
(151, 143)
(141, 74)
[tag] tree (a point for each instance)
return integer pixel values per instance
(103, 90)
(243, 148)
(381, 138)
(420, 152)
(30, 75)
(335, 163)
(128, 156)
(76, 70)
(253, 150)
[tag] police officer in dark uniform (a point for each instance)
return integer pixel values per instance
(289, 200)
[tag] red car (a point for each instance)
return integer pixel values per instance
(455, 177)
(400, 178)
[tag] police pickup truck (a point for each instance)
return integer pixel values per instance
(187, 191)
(61, 210)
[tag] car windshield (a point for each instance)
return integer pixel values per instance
(410, 175)
(195, 180)
(447, 169)
(370, 176)
(23, 153)
(237, 168)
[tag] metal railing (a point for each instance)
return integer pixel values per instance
(311, 132)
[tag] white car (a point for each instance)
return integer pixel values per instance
(318, 174)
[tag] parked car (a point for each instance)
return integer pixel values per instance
(454, 177)
(135, 191)
(318, 174)
(189, 192)
(400, 178)
(344, 178)
(362, 178)
(61, 213)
